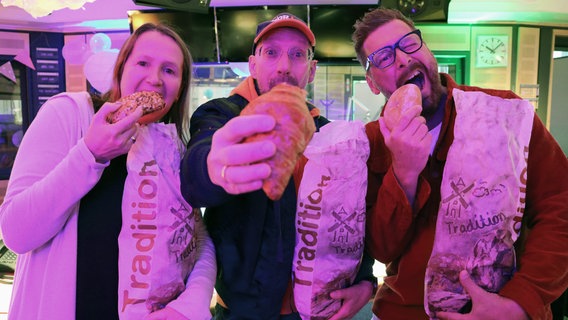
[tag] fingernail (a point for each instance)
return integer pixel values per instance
(270, 122)
(268, 148)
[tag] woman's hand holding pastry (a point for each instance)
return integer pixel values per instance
(107, 141)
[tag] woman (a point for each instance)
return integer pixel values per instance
(62, 211)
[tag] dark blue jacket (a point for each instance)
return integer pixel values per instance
(254, 236)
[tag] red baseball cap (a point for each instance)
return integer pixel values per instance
(282, 20)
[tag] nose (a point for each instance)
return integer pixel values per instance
(154, 77)
(283, 64)
(402, 58)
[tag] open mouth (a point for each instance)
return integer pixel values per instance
(417, 79)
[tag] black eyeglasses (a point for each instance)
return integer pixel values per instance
(385, 56)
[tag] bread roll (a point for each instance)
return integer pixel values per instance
(294, 129)
(152, 104)
(401, 99)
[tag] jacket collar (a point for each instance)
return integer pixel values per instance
(249, 90)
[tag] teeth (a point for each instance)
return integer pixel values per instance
(413, 75)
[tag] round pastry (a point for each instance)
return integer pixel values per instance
(401, 99)
(152, 104)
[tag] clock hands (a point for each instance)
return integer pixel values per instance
(492, 50)
(500, 44)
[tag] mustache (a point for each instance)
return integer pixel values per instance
(287, 79)
(410, 69)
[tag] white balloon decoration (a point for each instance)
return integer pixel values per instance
(76, 52)
(98, 69)
(99, 42)
(99, 66)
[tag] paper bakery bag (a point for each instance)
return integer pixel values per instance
(330, 217)
(482, 199)
(157, 246)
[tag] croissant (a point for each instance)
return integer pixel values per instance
(401, 99)
(294, 129)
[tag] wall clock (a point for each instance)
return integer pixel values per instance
(492, 51)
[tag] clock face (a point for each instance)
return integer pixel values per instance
(492, 51)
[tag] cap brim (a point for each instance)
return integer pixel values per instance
(290, 23)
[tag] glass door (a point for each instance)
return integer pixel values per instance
(455, 66)
(13, 117)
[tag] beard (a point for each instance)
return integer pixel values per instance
(431, 103)
(427, 74)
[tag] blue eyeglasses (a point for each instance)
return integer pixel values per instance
(385, 56)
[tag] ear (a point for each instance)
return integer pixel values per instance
(252, 66)
(313, 68)
(371, 84)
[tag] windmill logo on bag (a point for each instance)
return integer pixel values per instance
(342, 228)
(456, 201)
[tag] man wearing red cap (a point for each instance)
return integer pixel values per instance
(254, 236)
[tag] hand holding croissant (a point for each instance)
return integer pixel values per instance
(294, 129)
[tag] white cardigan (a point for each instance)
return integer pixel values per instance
(38, 219)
